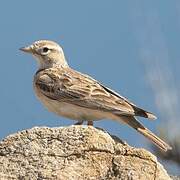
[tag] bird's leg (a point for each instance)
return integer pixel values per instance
(79, 123)
(90, 123)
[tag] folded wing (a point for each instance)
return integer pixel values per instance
(73, 87)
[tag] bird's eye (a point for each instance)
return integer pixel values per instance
(45, 50)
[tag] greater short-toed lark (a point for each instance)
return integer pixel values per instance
(77, 96)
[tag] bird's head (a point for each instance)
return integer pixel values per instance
(47, 53)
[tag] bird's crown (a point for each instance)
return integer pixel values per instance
(48, 53)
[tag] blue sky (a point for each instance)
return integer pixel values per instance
(120, 43)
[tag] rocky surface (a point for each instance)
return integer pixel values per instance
(74, 152)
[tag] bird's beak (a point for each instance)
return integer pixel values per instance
(27, 49)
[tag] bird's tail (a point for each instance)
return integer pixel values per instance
(134, 123)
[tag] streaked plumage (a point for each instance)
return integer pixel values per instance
(77, 96)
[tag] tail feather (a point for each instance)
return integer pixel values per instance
(134, 123)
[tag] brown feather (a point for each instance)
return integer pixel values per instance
(134, 123)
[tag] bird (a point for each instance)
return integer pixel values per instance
(77, 96)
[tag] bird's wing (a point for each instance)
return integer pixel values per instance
(70, 86)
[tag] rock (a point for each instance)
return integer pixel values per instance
(175, 177)
(74, 152)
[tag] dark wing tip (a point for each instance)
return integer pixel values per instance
(143, 113)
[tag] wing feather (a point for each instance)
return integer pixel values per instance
(73, 87)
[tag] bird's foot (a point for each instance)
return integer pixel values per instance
(90, 123)
(79, 123)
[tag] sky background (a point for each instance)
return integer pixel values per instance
(131, 46)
